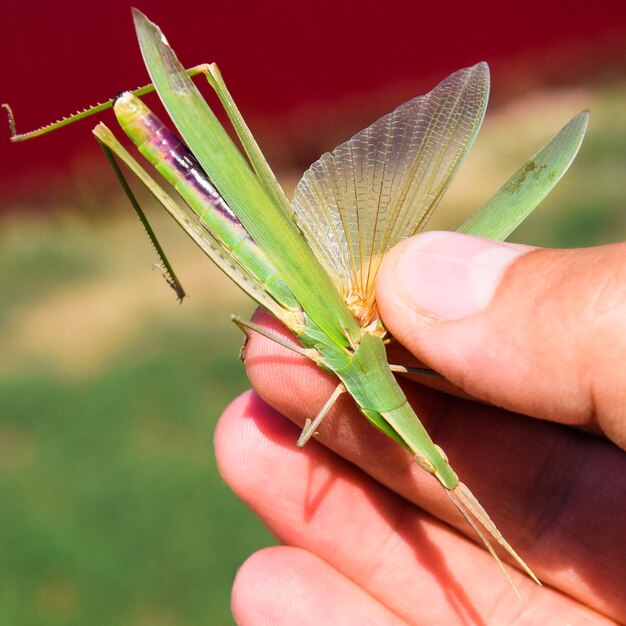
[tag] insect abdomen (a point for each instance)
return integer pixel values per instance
(181, 169)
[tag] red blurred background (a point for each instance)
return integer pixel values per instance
(295, 69)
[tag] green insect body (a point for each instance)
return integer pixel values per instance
(312, 263)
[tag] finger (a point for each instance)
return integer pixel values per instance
(398, 355)
(285, 585)
(394, 552)
(542, 332)
(557, 495)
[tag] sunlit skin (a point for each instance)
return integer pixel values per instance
(362, 527)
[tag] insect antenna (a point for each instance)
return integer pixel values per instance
(479, 520)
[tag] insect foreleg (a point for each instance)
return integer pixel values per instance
(402, 369)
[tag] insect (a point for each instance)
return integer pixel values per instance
(312, 263)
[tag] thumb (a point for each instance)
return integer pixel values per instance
(537, 331)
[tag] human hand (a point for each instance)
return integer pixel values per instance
(528, 362)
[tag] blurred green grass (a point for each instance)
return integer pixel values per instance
(112, 508)
(112, 511)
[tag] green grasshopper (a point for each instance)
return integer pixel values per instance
(312, 263)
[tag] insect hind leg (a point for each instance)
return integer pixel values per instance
(87, 112)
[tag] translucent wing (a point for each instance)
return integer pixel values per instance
(381, 186)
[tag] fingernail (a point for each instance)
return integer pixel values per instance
(448, 276)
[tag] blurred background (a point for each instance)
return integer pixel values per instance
(111, 508)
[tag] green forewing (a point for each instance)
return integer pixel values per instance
(264, 219)
(516, 199)
(381, 186)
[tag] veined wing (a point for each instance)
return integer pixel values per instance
(381, 186)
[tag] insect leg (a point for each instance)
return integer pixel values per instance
(165, 267)
(310, 426)
(79, 115)
(245, 326)
(402, 369)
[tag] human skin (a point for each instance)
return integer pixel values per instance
(531, 412)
